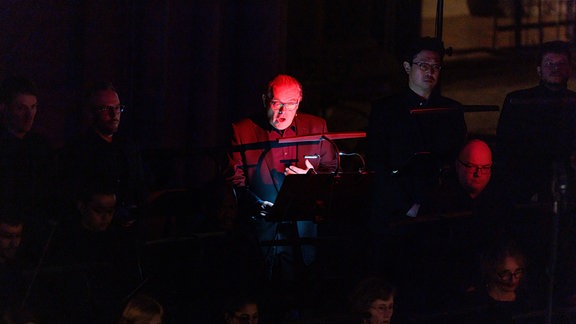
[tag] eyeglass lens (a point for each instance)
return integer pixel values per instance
(276, 105)
(428, 67)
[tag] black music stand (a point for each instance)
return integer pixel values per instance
(333, 199)
(320, 197)
(303, 197)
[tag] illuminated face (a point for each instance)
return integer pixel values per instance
(554, 69)
(20, 114)
(10, 239)
(474, 167)
(106, 111)
(508, 275)
(97, 214)
(381, 311)
(248, 314)
(423, 71)
(282, 107)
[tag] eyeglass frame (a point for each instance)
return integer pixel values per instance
(506, 275)
(425, 67)
(108, 109)
(555, 65)
(288, 106)
(246, 318)
(481, 169)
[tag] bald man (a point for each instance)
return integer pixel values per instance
(465, 189)
(474, 167)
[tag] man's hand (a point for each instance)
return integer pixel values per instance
(265, 207)
(297, 170)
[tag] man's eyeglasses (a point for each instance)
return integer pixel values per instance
(109, 109)
(481, 169)
(289, 106)
(425, 67)
(246, 318)
(555, 65)
(507, 275)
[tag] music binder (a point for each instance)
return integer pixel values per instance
(320, 197)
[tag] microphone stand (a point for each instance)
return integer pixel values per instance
(559, 186)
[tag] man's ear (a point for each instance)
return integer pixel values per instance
(406, 67)
(264, 101)
(539, 71)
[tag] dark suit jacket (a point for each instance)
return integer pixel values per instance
(396, 137)
(257, 161)
(536, 129)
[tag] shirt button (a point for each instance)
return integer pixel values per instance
(285, 153)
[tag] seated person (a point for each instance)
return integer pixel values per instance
(372, 301)
(142, 309)
(241, 310)
(468, 188)
(502, 291)
(12, 283)
(91, 256)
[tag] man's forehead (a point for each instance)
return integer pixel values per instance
(428, 55)
(286, 91)
(554, 56)
(7, 228)
(105, 97)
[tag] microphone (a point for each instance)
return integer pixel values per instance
(359, 156)
(559, 181)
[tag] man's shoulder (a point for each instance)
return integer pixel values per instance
(448, 102)
(523, 93)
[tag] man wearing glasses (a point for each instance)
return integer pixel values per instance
(535, 134)
(102, 152)
(258, 164)
(413, 134)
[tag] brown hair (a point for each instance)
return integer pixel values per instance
(141, 309)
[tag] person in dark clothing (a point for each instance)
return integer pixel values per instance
(414, 134)
(27, 158)
(503, 293)
(413, 137)
(92, 260)
(535, 135)
(104, 152)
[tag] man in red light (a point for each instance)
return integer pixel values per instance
(258, 163)
(535, 134)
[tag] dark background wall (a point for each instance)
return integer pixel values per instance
(186, 69)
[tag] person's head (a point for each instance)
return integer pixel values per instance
(240, 309)
(96, 204)
(502, 268)
(373, 299)
(281, 101)
(554, 64)
(142, 309)
(423, 63)
(18, 104)
(11, 228)
(474, 166)
(104, 109)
